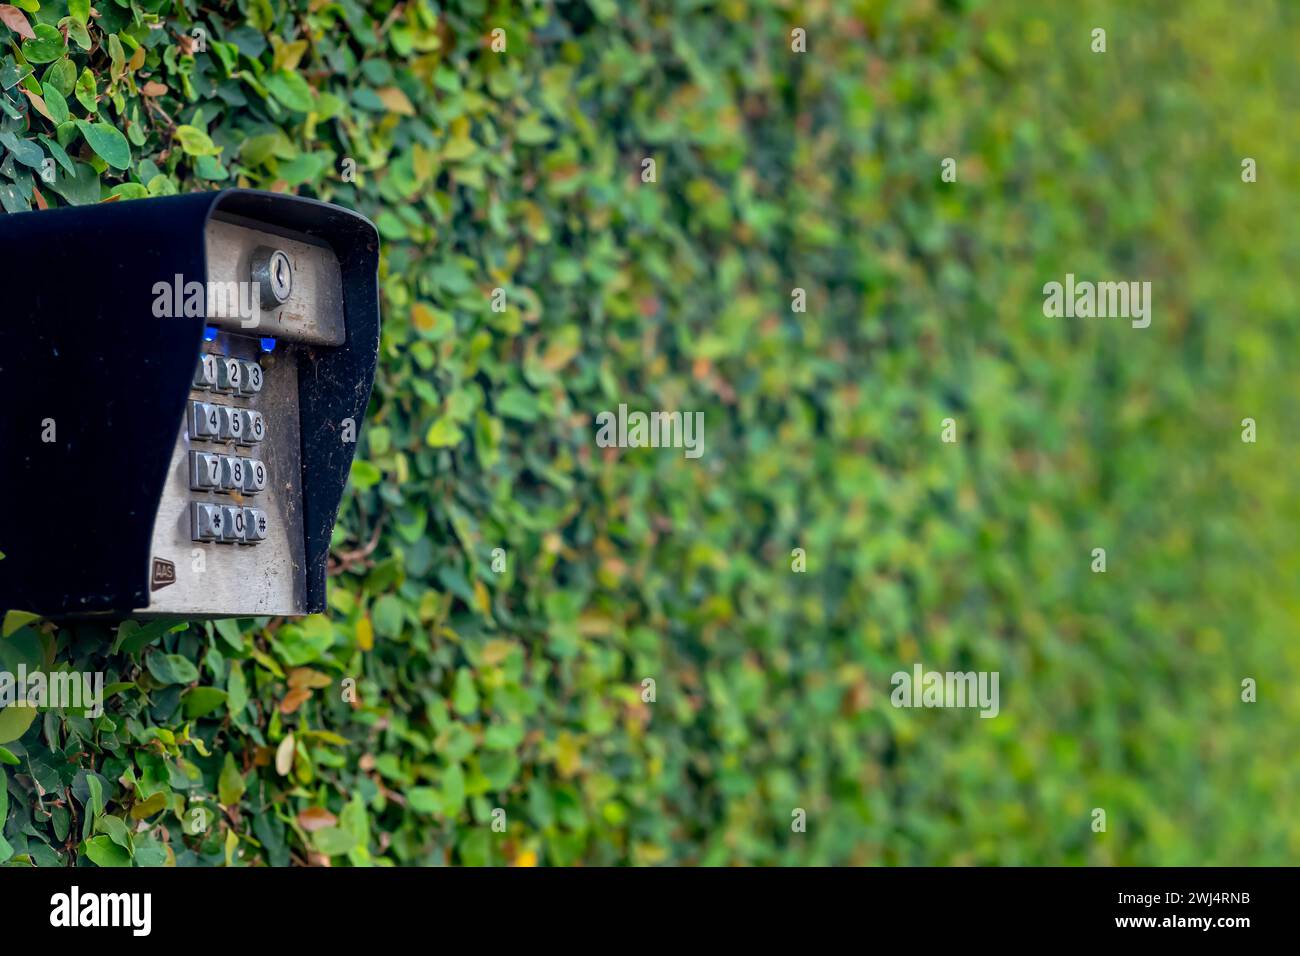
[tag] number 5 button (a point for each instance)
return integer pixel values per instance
(232, 422)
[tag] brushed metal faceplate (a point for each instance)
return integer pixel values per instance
(209, 579)
(313, 313)
(197, 579)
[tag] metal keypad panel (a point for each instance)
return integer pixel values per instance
(230, 517)
(231, 474)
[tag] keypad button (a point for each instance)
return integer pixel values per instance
(231, 422)
(205, 421)
(205, 376)
(229, 374)
(254, 475)
(232, 473)
(255, 525)
(232, 523)
(250, 378)
(206, 521)
(252, 426)
(205, 471)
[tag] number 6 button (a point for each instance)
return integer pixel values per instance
(252, 426)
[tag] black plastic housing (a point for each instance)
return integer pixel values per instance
(79, 344)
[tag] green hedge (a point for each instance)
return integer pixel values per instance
(510, 686)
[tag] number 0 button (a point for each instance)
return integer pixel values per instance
(232, 523)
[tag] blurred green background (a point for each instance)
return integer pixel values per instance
(522, 690)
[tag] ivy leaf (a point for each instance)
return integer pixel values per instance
(13, 18)
(87, 92)
(333, 841)
(443, 433)
(151, 853)
(52, 105)
(79, 188)
(202, 701)
(46, 45)
(291, 90)
(129, 191)
(79, 10)
(62, 75)
(147, 808)
(108, 142)
(102, 851)
(77, 31)
(364, 474)
(209, 167)
(395, 101)
(172, 669)
(284, 756)
(231, 784)
(22, 648)
(236, 690)
(23, 150)
(12, 73)
(16, 620)
(195, 142)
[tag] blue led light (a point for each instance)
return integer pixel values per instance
(210, 334)
(268, 344)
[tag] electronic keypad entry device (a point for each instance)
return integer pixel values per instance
(186, 377)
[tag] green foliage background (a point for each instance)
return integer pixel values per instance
(522, 690)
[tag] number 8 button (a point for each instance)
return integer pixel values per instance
(232, 473)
